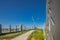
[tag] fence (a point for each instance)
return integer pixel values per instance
(10, 29)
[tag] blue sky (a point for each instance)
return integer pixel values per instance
(16, 12)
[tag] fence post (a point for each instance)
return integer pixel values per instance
(10, 28)
(21, 27)
(0, 28)
(16, 28)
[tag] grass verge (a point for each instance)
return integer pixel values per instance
(10, 36)
(36, 35)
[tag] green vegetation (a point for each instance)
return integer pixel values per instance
(37, 35)
(10, 36)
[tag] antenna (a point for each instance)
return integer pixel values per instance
(34, 23)
(33, 20)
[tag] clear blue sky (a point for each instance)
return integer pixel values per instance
(17, 12)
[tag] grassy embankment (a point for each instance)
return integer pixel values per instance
(37, 35)
(10, 36)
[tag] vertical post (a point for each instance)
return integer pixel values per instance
(21, 27)
(0, 28)
(16, 28)
(10, 28)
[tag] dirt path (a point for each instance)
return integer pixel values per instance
(23, 36)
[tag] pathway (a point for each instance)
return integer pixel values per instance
(23, 36)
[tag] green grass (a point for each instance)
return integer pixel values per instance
(37, 34)
(13, 35)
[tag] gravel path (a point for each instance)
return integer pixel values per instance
(23, 36)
